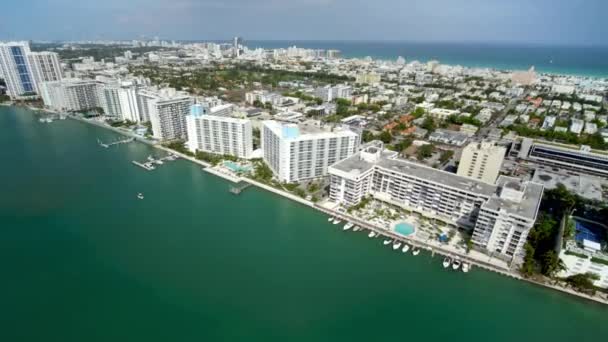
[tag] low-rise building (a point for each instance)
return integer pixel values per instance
(448, 137)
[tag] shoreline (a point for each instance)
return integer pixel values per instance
(434, 249)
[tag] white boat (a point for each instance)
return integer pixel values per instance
(329, 219)
(337, 221)
(465, 267)
(357, 228)
(406, 248)
(456, 264)
(140, 195)
(387, 242)
(348, 226)
(446, 262)
(396, 245)
(371, 234)
(416, 251)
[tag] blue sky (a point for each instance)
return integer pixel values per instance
(572, 22)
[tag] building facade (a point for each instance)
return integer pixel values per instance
(580, 159)
(73, 95)
(482, 161)
(16, 70)
(499, 214)
(219, 134)
(299, 152)
(167, 110)
(45, 66)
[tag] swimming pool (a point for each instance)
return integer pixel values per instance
(236, 167)
(589, 231)
(404, 228)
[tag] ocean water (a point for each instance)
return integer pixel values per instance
(83, 259)
(572, 60)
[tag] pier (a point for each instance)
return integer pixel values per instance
(237, 189)
(151, 161)
(124, 141)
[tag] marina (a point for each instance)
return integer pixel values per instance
(151, 163)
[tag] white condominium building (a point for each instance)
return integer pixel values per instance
(500, 214)
(16, 69)
(121, 101)
(299, 152)
(482, 161)
(73, 94)
(45, 66)
(167, 110)
(214, 131)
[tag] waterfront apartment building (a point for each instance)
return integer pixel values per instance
(482, 161)
(580, 159)
(73, 95)
(500, 214)
(212, 130)
(299, 152)
(16, 70)
(45, 66)
(121, 101)
(167, 110)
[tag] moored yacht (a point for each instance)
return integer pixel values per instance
(465, 267)
(397, 245)
(348, 226)
(387, 242)
(337, 221)
(446, 262)
(406, 248)
(416, 251)
(371, 234)
(456, 265)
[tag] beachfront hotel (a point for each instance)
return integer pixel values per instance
(296, 152)
(218, 130)
(500, 214)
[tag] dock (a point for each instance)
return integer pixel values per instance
(151, 161)
(237, 189)
(147, 166)
(124, 141)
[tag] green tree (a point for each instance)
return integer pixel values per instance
(551, 263)
(425, 151)
(367, 136)
(429, 124)
(385, 137)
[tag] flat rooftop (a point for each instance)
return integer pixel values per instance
(584, 186)
(355, 165)
(527, 208)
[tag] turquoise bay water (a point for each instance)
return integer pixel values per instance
(571, 60)
(82, 259)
